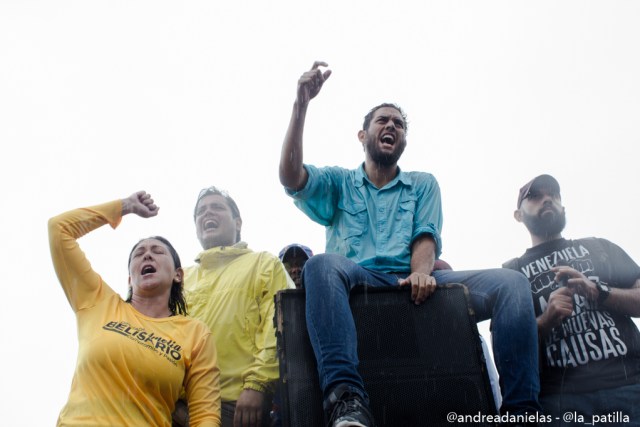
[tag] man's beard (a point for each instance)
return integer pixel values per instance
(384, 159)
(545, 226)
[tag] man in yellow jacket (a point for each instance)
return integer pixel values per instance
(231, 288)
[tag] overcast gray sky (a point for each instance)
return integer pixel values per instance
(100, 99)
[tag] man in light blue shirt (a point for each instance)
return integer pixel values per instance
(383, 229)
(407, 207)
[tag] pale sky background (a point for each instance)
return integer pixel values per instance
(99, 99)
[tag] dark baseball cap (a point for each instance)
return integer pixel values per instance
(295, 247)
(541, 181)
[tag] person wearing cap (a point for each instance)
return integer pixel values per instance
(294, 256)
(231, 288)
(585, 293)
(383, 229)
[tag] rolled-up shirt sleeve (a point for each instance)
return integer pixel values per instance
(428, 215)
(318, 198)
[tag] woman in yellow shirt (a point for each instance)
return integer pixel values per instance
(136, 356)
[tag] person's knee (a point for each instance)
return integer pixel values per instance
(520, 282)
(517, 287)
(514, 279)
(322, 269)
(318, 261)
(324, 264)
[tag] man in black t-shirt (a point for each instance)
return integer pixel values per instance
(585, 292)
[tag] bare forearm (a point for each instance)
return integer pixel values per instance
(422, 260)
(423, 255)
(624, 301)
(543, 325)
(292, 173)
(127, 206)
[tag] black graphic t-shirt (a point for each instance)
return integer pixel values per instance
(594, 348)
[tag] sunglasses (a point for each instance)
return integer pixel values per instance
(212, 190)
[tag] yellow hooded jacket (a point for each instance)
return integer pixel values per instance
(232, 290)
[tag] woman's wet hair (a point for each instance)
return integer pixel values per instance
(177, 302)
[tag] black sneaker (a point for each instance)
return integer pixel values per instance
(348, 409)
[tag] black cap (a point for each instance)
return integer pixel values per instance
(541, 181)
(295, 247)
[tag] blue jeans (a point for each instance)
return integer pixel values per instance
(498, 294)
(607, 407)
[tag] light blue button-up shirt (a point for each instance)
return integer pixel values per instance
(372, 227)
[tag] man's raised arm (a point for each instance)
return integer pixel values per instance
(292, 173)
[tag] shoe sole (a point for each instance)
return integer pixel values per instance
(349, 424)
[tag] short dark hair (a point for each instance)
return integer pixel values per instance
(213, 190)
(369, 116)
(177, 302)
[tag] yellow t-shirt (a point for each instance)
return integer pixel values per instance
(131, 368)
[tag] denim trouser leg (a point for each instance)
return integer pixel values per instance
(611, 407)
(504, 296)
(328, 279)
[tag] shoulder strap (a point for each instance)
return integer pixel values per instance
(512, 264)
